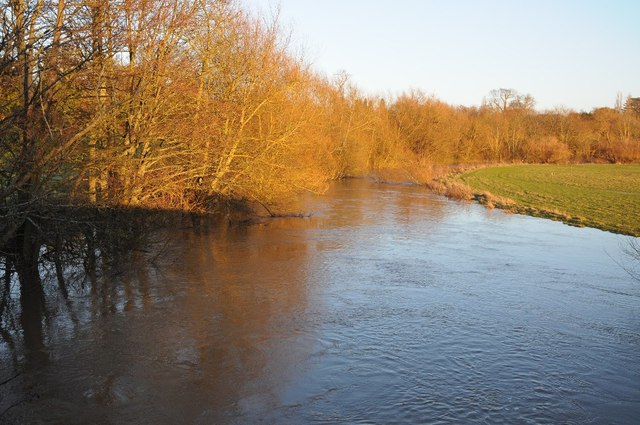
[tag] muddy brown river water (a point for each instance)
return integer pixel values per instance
(388, 305)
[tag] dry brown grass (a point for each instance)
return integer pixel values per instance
(458, 191)
(491, 201)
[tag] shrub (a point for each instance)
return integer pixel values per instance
(547, 150)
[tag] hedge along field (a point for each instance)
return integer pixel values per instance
(594, 195)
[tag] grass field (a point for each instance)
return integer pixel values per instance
(602, 196)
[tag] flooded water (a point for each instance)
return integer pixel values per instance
(389, 305)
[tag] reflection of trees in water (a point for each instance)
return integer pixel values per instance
(363, 202)
(59, 273)
(53, 260)
(118, 324)
(245, 305)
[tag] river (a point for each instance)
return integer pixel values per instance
(387, 305)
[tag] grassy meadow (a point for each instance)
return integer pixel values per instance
(594, 195)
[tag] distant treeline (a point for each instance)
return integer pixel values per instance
(179, 104)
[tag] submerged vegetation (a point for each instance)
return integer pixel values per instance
(602, 196)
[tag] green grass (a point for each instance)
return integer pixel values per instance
(602, 196)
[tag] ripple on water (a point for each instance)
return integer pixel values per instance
(412, 310)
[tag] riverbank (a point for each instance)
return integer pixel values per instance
(593, 195)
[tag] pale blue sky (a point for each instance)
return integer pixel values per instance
(573, 53)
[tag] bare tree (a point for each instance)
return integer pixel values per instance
(503, 100)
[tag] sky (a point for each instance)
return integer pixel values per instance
(576, 54)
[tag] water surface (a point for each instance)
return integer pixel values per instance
(388, 305)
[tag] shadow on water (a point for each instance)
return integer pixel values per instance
(103, 310)
(52, 267)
